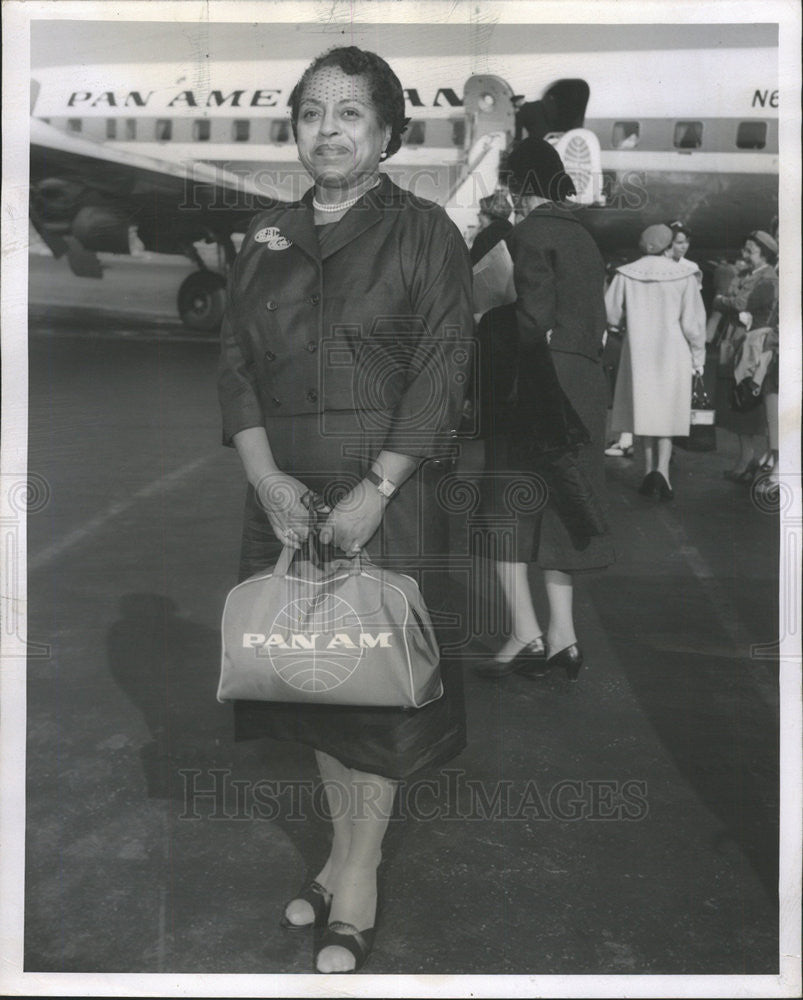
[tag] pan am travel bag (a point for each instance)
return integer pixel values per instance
(345, 633)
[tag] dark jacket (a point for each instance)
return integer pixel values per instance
(380, 322)
(560, 277)
(486, 239)
(756, 293)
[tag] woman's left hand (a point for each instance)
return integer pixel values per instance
(354, 519)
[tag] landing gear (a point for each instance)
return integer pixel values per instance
(202, 300)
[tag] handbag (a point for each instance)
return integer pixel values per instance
(702, 434)
(746, 395)
(343, 633)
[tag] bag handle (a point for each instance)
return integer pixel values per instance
(286, 557)
(288, 554)
(313, 551)
(355, 564)
(315, 505)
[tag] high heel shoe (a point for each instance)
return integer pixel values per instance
(342, 935)
(570, 658)
(524, 662)
(648, 486)
(318, 897)
(665, 491)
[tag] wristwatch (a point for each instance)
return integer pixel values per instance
(386, 487)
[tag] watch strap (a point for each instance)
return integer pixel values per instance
(386, 487)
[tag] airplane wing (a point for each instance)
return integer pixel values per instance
(87, 196)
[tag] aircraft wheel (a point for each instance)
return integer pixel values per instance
(201, 301)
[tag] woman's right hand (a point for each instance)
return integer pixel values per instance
(286, 501)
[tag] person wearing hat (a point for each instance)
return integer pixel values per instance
(748, 305)
(559, 277)
(664, 344)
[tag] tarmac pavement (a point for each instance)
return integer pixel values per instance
(624, 824)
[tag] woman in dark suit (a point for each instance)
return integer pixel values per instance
(560, 313)
(344, 350)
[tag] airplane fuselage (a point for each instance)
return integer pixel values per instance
(685, 116)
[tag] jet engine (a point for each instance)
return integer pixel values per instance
(102, 228)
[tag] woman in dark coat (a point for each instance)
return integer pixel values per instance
(560, 312)
(344, 350)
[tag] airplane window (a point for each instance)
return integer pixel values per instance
(111, 128)
(625, 135)
(201, 129)
(74, 124)
(751, 135)
(242, 129)
(130, 128)
(164, 129)
(459, 132)
(280, 130)
(688, 135)
(416, 134)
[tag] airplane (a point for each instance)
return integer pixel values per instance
(87, 198)
(655, 123)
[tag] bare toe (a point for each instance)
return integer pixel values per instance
(299, 912)
(335, 959)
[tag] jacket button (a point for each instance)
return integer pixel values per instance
(276, 402)
(270, 356)
(312, 347)
(315, 299)
(271, 304)
(312, 395)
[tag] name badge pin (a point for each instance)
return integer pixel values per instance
(273, 237)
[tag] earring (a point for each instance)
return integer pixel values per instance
(383, 155)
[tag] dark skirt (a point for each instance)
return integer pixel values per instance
(749, 424)
(539, 535)
(495, 365)
(412, 538)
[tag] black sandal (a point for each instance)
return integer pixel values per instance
(342, 935)
(319, 898)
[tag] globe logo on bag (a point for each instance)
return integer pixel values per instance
(315, 644)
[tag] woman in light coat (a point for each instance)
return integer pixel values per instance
(659, 299)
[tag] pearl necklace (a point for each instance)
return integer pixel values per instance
(341, 206)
